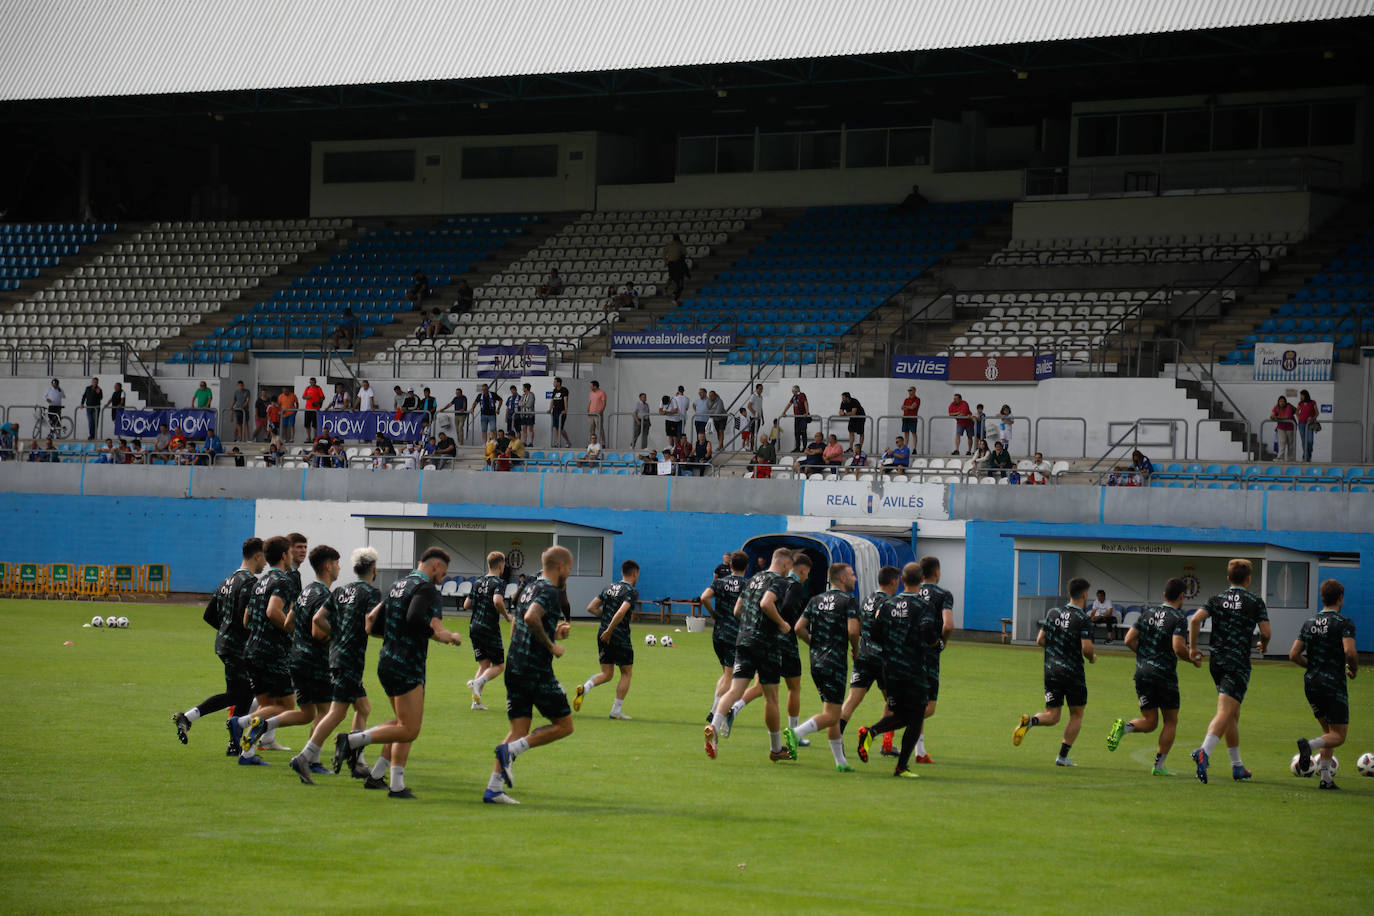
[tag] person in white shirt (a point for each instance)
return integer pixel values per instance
(367, 398)
(54, 397)
(408, 457)
(1103, 613)
(640, 439)
(755, 408)
(592, 456)
(1039, 472)
(1004, 425)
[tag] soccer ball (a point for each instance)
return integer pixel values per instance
(1365, 764)
(123, 623)
(111, 622)
(97, 621)
(1311, 766)
(650, 639)
(666, 641)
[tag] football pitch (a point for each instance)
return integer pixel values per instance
(102, 808)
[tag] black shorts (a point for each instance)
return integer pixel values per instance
(269, 677)
(910, 425)
(725, 652)
(1330, 706)
(524, 695)
(932, 669)
(718, 423)
(672, 427)
(1154, 693)
(867, 672)
(789, 659)
(906, 699)
(347, 687)
(397, 683)
(312, 685)
(856, 425)
(241, 416)
(829, 684)
(1058, 690)
(760, 661)
(311, 418)
(237, 682)
(487, 646)
(524, 419)
(1230, 681)
(559, 420)
(615, 653)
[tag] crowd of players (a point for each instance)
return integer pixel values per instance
(295, 656)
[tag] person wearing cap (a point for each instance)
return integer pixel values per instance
(911, 408)
(801, 417)
(411, 401)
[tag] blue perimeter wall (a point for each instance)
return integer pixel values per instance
(677, 551)
(192, 536)
(989, 578)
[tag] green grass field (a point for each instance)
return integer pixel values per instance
(101, 808)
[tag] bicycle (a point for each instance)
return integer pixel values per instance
(44, 426)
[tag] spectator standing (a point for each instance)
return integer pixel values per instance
(240, 408)
(675, 259)
(1005, 421)
(525, 417)
(716, 408)
(512, 409)
(552, 285)
(367, 397)
(911, 410)
(800, 409)
(410, 401)
(116, 403)
(755, 408)
(672, 425)
(854, 411)
(641, 418)
(596, 410)
(273, 420)
(701, 411)
(744, 431)
(314, 400)
(699, 459)
(346, 334)
(341, 399)
(980, 423)
(430, 407)
(1307, 423)
(488, 406)
(963, 422)
(203, 397)
(54, 397)
(558, 414)
(91, 399)
(288, 402)
(683, 404)
(459, 406)
(419, 288)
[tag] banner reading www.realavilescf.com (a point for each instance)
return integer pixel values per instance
(1293, 362)
(671, 341)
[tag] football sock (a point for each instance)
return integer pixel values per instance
(792, 722)
(495, 783)
(739, 704)
(398, 778)
(775, 741)
(837, 751)
(718, 722)
(1064, 750)
(518, 747)
(478, 683)
(615, 707)
(844, 723)
(362, 760)
(379, 769)
(1034, 721)
(271, 729)
(311, 752)
(359, 739)
(1235, 756)
(913, 732)
(1209, 743)
(244, 721)
(921, 745)
(1130, 727)
(192, 714)
(806, 728)
(1317, 744)
(253, 707)
(588, 684)
(1326, 768)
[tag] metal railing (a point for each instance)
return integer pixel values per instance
(1035, 439)
(1122, 176)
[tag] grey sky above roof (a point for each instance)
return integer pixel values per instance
(51, 49)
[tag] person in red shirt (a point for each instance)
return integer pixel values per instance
(1307, 417)
(911, 408)
(314, 400)
(963, 422)
(1284, 414)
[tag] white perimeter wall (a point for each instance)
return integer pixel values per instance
(340, 526)
(1279, 211)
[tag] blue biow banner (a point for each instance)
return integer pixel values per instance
(671, 341)
(364, 425)
(146, 424)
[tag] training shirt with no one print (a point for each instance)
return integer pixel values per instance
(528, 656)
(486, 619)
(266, 640)
(755, 627)
(611, 599)
(1323, 637)
(827, 619)
(904, 645)
(232, 595)
(791, 605)
(348, 624)
(938, 600)
(306, 650)
(1235, 613)
(405, 642)
(1065, 629)
(1154, 655)
(870, 642)
(725, 592)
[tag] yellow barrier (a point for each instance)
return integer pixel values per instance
(123, 579)
(91, 582)
(60, 581)
(157, 579)
(6, 585)
(30, 580)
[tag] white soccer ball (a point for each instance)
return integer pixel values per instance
(123, 623)
(1365, 764)
(1311, 765)
(97, 621)
(666, 641)
(649, 639)
(112, 622)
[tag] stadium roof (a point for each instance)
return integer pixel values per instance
(53, 50)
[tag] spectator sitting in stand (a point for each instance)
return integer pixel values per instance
(177, 438)
(1142, 466)
(552, 285)
(833, 453)
(650, 463)
(440, 324)
(813, 458)
(859, 459)
(767, 452)
(627, 297)
(35, 453)
(274, 453)
(427, 452)
(760, 467)
(137, 454)
(409, 457)
(238, 457)
(107, 452)
(346, 334)
(675, 259)
(273, 420)
(898, 457)
(679, 454)
(213, 447)
(516, 448)
(463, 296)
(423, 330)
(1000, 462)
(339, 454)
(1103, 614)
(163, 441)
(445, 451)
(1039, 472)
(9, 434)
(913, 201)
(592, 456)
(419, 288)
(700, 457)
